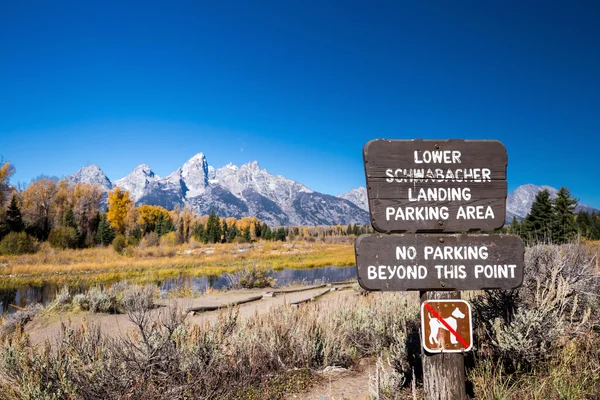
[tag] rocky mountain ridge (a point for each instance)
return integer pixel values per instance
(248, 190)
(230, 191)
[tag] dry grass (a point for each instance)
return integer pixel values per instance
(149, 264)
(261, 357)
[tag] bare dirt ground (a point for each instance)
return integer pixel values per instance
(48, 327)
(350, 384)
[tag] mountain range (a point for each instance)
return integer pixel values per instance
(231, 191)
(248, 190)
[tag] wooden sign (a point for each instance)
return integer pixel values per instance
(439, 262)
(436, 185)
(446, 326)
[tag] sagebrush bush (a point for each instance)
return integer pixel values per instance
(115, 299)
(63, 297)
(167, 357)
(531, 324)
(16, 243)
(19, 318)
(250, 278)
(119, 243)
(63, 237)
(80, 301)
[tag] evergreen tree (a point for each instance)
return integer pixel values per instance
(198, 232)
(233, 232)
(588, 225)
(268, 235)
(564, 227)
(14, 219)
(247, 236)
(105, 232)
(225, 232)
(164, 225)
(280, 234)
(213, 228)
(538, 223)
(68, 221)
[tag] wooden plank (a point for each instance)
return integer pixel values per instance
(439, 262)
(312, 298)
(232, 304)
(443, 373)
(294, 290)
(413, 175)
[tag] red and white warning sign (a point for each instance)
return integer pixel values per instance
(446, 326)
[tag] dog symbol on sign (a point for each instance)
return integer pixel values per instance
(446, 326)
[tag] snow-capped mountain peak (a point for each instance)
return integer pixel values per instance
(195, 175)
(138, 181)
(92, 175)
(357, 196)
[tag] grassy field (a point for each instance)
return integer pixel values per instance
(98, 265)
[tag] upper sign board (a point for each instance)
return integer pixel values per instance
(436, 185)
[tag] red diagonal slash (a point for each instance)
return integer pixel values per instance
(452, 331)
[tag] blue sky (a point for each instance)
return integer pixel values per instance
(299, 86)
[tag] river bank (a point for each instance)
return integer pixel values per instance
(154, 264)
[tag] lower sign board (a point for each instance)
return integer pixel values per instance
(446, 326)
(439, 262)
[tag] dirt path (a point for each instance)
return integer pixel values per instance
(48, 327)
(339, 384)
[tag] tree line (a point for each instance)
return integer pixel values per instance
(555, 220)
(72, 216)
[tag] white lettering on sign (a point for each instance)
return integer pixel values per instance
(440, 194)
(400, 271)
(438, 157)
(475, 212)
(402, 253)
(416, 175)
(451, 271)
(416, 213)
(456, 252)
(445, 262)
(495, 271)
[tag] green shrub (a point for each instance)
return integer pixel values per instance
(64, 238)
(133, 241)
(119, 243)
(17, 243)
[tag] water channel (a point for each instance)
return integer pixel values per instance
(24, 296)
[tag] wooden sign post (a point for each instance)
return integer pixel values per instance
(438, 187)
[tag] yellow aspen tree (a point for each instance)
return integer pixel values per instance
(119, 207)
